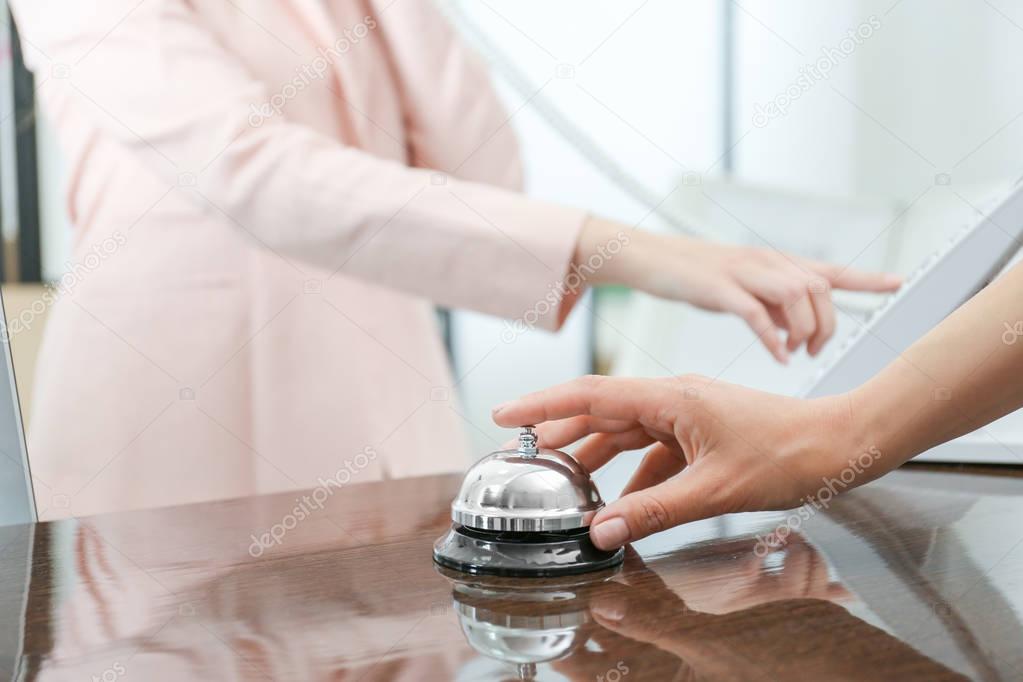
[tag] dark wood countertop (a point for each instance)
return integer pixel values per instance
(916, 576)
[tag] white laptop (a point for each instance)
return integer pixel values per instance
(17, 502)
(17, 509)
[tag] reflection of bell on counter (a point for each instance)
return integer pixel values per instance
(524, 512)
(525, 623)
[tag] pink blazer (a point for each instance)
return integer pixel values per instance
(260, 237)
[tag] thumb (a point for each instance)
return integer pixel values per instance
(628, 617)
(690, 496)
(655, 616)
(639, 618)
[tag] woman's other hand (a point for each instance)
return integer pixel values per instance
(773, 292)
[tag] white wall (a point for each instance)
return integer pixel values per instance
(917, 99)
(55, 225)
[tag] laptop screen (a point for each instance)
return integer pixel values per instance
(17, 503)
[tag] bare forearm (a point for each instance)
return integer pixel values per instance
(960, 376)
(593, 257)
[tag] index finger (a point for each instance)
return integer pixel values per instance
(606, 397)
(852, 279)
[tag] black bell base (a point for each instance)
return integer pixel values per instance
(517, 554)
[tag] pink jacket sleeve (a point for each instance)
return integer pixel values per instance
(166, 90)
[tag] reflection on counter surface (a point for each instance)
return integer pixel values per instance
(913, 577)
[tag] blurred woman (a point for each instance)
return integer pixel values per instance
(291, 187)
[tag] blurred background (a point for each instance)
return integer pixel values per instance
(877, 149)
(858, 131)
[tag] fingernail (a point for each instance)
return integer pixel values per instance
(610, 534)
(498, 408)
(893, 280)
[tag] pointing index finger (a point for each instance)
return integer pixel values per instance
(851, 279)
(605, 397)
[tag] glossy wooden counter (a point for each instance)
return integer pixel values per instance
(918, 576)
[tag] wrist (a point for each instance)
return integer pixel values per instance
(876, 424)
(837, 446)
(606, 253)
